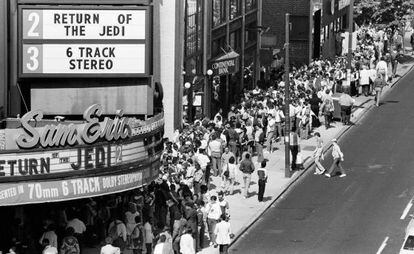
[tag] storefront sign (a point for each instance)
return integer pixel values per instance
(343, 3)
(83, 58)
(224, 67)
(70, 134)
(84, 24)
(61, 190)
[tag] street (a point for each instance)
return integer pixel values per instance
(364, 212)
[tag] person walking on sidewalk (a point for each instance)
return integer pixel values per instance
(318, 155)
(247, 167)
(259, 138)
(379, 84)
(213, 215)
(338, 157)
(327, 108)
(346, 102)
(294, 147)
(412, 43)
(215, 147)
(223, 234)
(262, 175)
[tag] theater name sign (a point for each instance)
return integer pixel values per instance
(99, 155)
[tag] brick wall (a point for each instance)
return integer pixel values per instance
(274, 17)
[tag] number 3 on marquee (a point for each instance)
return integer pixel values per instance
(33, 63)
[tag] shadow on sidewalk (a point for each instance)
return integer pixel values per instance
(406, 59)
(388, 102)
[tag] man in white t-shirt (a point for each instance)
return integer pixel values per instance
(48, 249)
(108, 248)
(159, 248)
(364, 80)
(382, 68)
(77, 225)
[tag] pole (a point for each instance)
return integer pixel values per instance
(351, 26)
(287, 99)
(190, 104)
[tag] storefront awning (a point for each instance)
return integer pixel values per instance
(225, 64)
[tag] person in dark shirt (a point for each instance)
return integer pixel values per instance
(262, 175)
(247, 167)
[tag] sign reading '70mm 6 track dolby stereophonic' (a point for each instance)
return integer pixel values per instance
(84, 42)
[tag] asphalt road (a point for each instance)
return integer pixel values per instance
(361, 213)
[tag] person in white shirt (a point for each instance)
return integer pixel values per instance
(202, 158)
(382, 68)
(148, 235)
(187, 242)
(213, 215)
(338, 157)
(159, 248)
(270, 132)
(279, 117)
(77, 225)
(215, 147)
(223, 234)
(364, 80)
(48, 249)
(50, 235)
(108, 248)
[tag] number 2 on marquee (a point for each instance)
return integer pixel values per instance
(35, 18)
(118, 154)
(34, 62)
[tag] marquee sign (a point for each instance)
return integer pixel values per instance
(68, 149)
(84, 24)
(70, 134)
(60, 190)
(48, 162)
(81, 42)
(83, 58)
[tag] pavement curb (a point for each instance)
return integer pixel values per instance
(308, 163)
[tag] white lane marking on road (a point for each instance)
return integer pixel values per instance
(382, 247)
(349, 187)
(406, 210)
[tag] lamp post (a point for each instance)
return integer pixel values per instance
(189, 87)
(287, 98)
(207, 94)
(351, 28)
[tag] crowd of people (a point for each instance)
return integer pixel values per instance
(182, 212)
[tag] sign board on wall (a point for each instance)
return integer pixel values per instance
(82, 42)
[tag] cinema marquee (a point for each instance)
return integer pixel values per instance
(47, 161)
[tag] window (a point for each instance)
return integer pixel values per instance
(193, 25)
(251, 33)
(235, 40)
(250, 5)
(235, 8)
(217, 46)
(219, 12)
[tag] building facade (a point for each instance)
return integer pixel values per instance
(314, 27)
(220, 53)
(80, 100)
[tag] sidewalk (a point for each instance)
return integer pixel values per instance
(245, 212)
